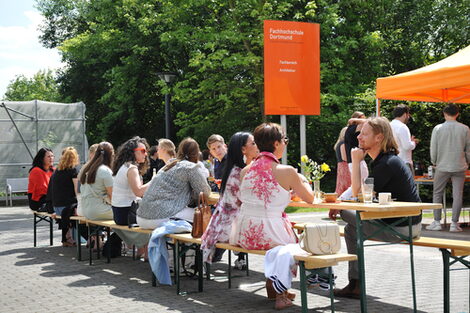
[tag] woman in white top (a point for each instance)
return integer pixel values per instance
(130, 163)
(97, 184)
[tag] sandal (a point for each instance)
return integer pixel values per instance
(282, 301)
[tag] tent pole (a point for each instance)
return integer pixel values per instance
(17, 129)
(377, 107)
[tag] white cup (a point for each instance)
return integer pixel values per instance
(385, 198)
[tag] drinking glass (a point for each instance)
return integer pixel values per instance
(368, 190)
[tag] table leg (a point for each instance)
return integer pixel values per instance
(446, 270)
(332, 294)
(413, 281)
(360, 261)
(229, 269)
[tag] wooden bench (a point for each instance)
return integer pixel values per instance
(305, 262)
(48, 218)
(457, 250)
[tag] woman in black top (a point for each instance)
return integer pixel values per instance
(64, 188)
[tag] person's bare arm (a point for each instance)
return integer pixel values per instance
(357, 155)
(135, 183)
(109, 191)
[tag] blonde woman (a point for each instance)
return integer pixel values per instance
(64, 187)
(166, 150)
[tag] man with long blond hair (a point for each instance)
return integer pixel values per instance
(390, 174)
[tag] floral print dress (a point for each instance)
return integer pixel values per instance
(261, 223)
(227, 209)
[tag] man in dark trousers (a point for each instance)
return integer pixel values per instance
(390, 174)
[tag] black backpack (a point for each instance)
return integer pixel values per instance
(112, 246)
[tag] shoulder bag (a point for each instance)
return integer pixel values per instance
(202, 217)
(320, 238)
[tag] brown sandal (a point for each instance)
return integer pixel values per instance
(272, 292)
(282, 301)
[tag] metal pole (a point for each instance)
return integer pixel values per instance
(167, 115)
(17, 129)
(284, 126)
(377, 107)
(303, 137)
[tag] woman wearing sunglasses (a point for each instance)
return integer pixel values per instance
(129, 164)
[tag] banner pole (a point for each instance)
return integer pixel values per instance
(284, 126)
(303, 138)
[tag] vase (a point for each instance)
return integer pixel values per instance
(317, 194)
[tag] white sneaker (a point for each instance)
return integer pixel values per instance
(454, 227)
(240, 264)
(435, 225)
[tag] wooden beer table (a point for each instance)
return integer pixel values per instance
(374, 212)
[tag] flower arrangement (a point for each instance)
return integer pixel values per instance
(312, 170)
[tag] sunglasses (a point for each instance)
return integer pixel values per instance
(141, 149)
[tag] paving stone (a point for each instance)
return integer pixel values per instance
(49, 279)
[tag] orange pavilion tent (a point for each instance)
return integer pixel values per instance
(445, 81)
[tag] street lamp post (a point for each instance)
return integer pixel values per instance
(168, 78)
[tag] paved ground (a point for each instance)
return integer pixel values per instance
(49, 279)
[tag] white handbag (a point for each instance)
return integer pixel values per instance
(321, 238)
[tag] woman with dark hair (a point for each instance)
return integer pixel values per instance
(96, 179)
(64, 190)
(39, 177)
(171, 190)
(130, 164)
(262, 223)
(242, 150)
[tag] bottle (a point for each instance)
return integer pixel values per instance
(430, 171)
(154, 173)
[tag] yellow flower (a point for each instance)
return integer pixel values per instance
(304, 159)
(325, 167)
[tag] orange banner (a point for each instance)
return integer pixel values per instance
(291, 68)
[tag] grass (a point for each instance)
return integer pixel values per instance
(293, 209)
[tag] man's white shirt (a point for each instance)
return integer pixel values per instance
(402, 135)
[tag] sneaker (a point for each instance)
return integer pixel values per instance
(454, 227)
(240, 264)
(435, 225)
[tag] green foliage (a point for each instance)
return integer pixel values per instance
(114, 48)
(42, 86)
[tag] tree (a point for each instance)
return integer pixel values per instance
(42, 86)
(114, 48)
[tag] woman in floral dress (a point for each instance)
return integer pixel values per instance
(242, 150)
(262, 223)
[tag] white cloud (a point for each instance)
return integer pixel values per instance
(21, 52)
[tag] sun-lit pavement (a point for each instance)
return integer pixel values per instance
(49, 279)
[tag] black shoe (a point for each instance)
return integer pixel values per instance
(352, 290)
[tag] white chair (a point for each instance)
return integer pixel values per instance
(15, 185)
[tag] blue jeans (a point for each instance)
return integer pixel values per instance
(58, 209)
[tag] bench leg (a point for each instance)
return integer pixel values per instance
(360, 261)
(90, 246)
(303, 287)
(446, 270)
(35, 229)
(78, 239)
(332, 294)
(247, 267)
(177, 266)
(199, 268)
(229, 270)
(208, 271)
(108, 234)
(51, 230)
(154, 279)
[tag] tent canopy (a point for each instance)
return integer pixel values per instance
(445, 81)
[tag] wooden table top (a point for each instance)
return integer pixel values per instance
(369, 207)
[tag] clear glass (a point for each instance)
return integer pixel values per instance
(368, 190)
(317, 192)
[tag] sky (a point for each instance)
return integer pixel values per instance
(20, 50)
